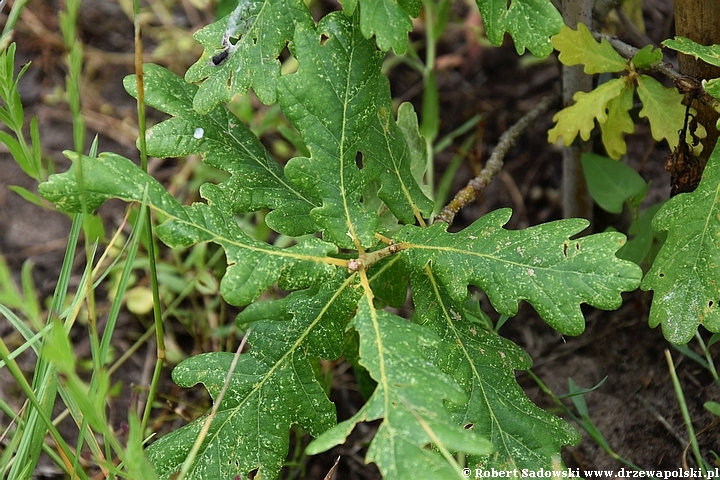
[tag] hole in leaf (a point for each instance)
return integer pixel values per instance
(577, 247)
(661, 275)
(711, 303)
(359, 160)
(469, 426)
(323, 38)
(565, 249)
(253, 473)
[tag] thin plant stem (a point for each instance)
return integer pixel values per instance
(708, 357)
(157, 314)
(190, 459)
(685, 413)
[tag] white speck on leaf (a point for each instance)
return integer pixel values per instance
(199, 133)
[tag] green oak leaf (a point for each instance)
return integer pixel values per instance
(684, 277)
(618, 122)
(579, 47)
(387, 159)
(539, 264)
(331, 100)
(484, 364)
(663, 108)
(260, 30)
(410, 398)
(389, 280)
(579, 118)
(610, 182)
(530, 23)
(257, 180)
(253, 265)
(647, 56)
(389, 20)
(712, 87)
(708, 54)
(642, 239)
(272, 387)
(408, 123)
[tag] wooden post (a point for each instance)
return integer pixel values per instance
(699, 20)
(576, 196)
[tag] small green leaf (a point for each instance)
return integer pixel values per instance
(684, 276)
(579, 47)
(27, 195)
(708, 54)
(331, 100)
(647, 56)
(663, 108)
(57, 349)
(530, 23)
(712, 87)
(389, 280)
(712, 407)
(618, 123)
(641, 236)
(610, 182)
(408, 122)
(388, 20)
(580, 117)
(514, 265)
(387, 159)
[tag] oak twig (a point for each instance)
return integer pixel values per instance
(495, 162)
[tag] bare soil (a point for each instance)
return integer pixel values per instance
(635, 409)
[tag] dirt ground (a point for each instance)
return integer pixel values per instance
(635, 409)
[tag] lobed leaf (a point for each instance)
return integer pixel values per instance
(684, 276)
(388, 159)
(579, 118)
(483, 363)
(663, 108)
(409, 397)
(712, 87)
(257, 180)
(389, 20)
(579, 47)
(272, 387)
(254, 265)
(257, 30)
(530, 23)
(331, 100)
(618, 123)
(647, 56)
(538, 264)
